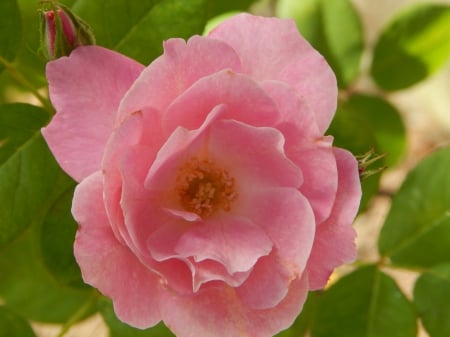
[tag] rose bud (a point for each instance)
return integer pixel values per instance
(62, 31)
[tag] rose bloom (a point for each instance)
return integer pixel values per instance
(208, 196)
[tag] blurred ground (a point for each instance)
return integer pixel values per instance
(426, 112)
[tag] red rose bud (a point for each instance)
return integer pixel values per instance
(62, 31)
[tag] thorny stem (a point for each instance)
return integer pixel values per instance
(20, 78)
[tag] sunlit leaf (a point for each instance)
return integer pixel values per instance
(366, 303)
(333, 27)
(13, 325)
(432, 300)
(413, 46)
(417, 228)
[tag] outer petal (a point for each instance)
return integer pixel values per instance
(334, 242)
(108, 265)
(86, 89)
(218, 312)
(181, 65)
(272, 48)
(317, 161)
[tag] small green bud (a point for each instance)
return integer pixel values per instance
(62, 31)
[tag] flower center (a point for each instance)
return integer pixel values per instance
(204, 188)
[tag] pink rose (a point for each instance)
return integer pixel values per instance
(208, 195)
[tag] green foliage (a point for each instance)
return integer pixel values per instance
(127, 26)
(13, 325)
(303, 322)
(432, 300)
(413, 46)
(28, 288)
(366, 302)
(57, 236)
(365, 122)
(10, 31)
(416, 232)
(334, 29)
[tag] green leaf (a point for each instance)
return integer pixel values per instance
(119, 329)
(215, 7)
(376, 116)
(333, 27)
(57, 238)
(412, 47)
(10, 31)
(138, 28)
(304, 321)
(29, 176)
(13, 325)
(432, 300)
(416, 232)
(365, 303)
(28, 288)
(18, 123)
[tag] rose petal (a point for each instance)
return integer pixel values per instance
(317, 161)
(255, 155)
(287, 218)
(218, 312)
(108, 265)
(264, 289)
(181, 65)
(86, 89)
(234, 242)
(131, 132)
(271, 48)
(335, 238)
(245, 100)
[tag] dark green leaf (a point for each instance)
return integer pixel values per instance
(27, 287)
(417, 228)
(366, 303)
(304, 321)
(57, 238)
(413, 46)
(333, 27)
(30, 179)
(365, 122)
(10, 31)
(18, 123)
(119, 329)
(215, 7)
(376, 116)
(138, 28)
(12, 325)
(432, 300)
